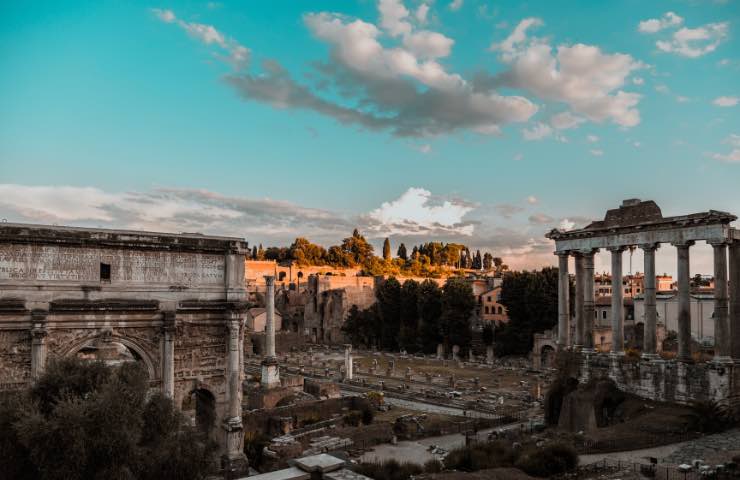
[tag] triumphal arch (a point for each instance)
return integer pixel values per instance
(175, 303)
(641, 224)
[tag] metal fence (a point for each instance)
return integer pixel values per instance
(644, 441)
(658, 471)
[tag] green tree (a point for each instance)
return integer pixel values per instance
(358, 248)
(408, 337)
(388, 295)
(531, 301)
(458, 303)
(430, 315)
(402, 254)
(85, 420)
(477, 261)
(487, 261)
(387, 249)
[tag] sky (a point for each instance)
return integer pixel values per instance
(485, 122)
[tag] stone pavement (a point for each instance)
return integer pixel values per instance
(702, 447)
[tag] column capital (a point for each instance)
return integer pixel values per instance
(683, 244)
(617, 249)
(169, 321)
(719, 243)
(562, 253)
(588, 252)
(269, 280)
(649, 246)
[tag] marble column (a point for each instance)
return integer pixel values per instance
(734, 324)
(233, 461)
(684, 302)
(650, 325)
(580, 279)
(168, 354)
(270, 324)
(38, 343)
(617, 301)
(234, 327)
(588, 300)
(722, 343)
(270, 370)
(563, 301)
(348, 361)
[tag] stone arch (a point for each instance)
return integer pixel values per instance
(547, 356)
(200, 402)
(141, 352)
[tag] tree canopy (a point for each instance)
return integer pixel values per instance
(84, 420)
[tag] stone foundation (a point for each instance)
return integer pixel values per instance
(666, 380)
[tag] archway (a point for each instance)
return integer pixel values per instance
(200, 405)
(113, 350)
(547, 356)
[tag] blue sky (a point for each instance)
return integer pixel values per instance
(486, 122)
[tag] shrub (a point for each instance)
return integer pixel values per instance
(352, 418)
(480, 456)
(549, 460)
(389, 470)
(433, 466)
(368, 415)
(712, 417)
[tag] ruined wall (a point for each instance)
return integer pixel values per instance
(667, 380)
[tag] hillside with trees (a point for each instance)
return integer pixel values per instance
(414, 316)
(432, 259)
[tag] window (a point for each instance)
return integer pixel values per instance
(500, 310)
(489, 298)
(105, 272)
(596, 314)
(603, 314)
(486, 309)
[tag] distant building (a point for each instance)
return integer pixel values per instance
(701, 308)
(491, 310)
(257, 319)
(632, 285)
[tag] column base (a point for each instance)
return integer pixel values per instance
(723, 360)
(270, 373)
(234, 463)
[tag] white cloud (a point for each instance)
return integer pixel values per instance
(733, 156)
(393, 16)
(422, 12)
(682, 99)
(565, 120)
(540, 219)
(456, 5)
(596, 152)
(654, 25)
(592, 138)
(582, 76)
(518, 157)
(537, 132)
(638, 80)
(662, 89)
(636, 144)
(726, 101)
(566, 224)
(424, 148)
(417, 210)
(237, 55)
(695, 42)
(532, 200)
(426, 44)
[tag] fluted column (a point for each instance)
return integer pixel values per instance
(588, 300)
(270, 324)
(684, 302)
(168, 354)
(734, 323)
(38, 344)
(617, 301)
(234, 368)
(580, 278)
(563, 301)
(650, 340)
(233, 460)
(722, 343)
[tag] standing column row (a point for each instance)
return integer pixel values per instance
(684, 301)
(733, 331)
(651, 313)
(563, 301)
(617, 301)
(588, 300)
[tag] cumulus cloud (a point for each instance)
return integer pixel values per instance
(726, 101)
(456, 5)
(421, 13)
(733, 156)
(540, 219)
(654, 25)
(532, 200)
(537, 132)
(508, 210)
(596, 152)
(565, 121)
(592, 138)
(695, 42)
(588, 80)
(238, 55)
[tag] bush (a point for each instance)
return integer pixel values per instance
(712, 417)
(433, 466)
(352, 418)
(389, 470)
(368, 415)
(480, 456)
(552, 459)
